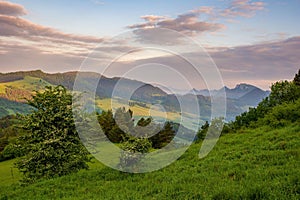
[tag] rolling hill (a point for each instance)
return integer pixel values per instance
(8, 107)
(18, 86)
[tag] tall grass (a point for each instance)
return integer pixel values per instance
(252, 164)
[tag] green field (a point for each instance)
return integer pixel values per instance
(138, 111)
(27, 84)
(252, 164)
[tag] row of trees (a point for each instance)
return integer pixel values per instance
(120, 128)
(51, 146)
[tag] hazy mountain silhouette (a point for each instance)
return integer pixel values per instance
(238, 98)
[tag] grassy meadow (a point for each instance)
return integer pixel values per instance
(138, 111)
(28, 84)
(251, 164)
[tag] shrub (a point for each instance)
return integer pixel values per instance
(11, 151)
(134, 150)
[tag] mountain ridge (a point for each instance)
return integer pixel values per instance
(238, 98)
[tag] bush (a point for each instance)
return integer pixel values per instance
(282, 115)
(134, 150)
(202, 132)
(11, 151)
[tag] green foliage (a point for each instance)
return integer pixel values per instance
(134, 148)
(163, 137)
(9, 131)
(124, 120)
(144, 122)
(8, 107)
(202, 132)
(297, 79)
(120, 128)
(109, 127)
(3, 143)
(283, 92)
(11, 151)
(52, 145)
(282, 115)
(258, 165)
(141, 145)
(7, 121)
(274, 108)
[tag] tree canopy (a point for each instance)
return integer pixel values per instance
(280, 107)
(52, 145)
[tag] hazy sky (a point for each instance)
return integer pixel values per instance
(256, 42)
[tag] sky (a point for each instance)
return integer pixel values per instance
(248, 41)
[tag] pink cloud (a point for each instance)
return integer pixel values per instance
(204, 9)
(14, 26)
(188, 23)
(11, 9)
(242, 8)
(152, 18)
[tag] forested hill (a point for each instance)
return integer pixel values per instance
(88, 79)
(11, 107)
(19, 86)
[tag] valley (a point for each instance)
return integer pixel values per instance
(16, 87)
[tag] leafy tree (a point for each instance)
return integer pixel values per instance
(110, 128)
(282, 115)
(124, 120)
(134, 151)
(146, 128)
(106, 121)
(144, 122)
(163, 137)
(297, 79)
(53, 146)
(135, 143)
(202, 132)
(3, 143)
(282, 92)
(120, 128)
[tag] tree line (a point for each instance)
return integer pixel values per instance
(51, 146)
(48, 144)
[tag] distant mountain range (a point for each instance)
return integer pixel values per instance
(244, 93)
(16, 86)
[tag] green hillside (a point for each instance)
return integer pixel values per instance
(256, 157)
(144, 93)
(13, 94)
(11, 107)
(251, 164)
(19, 89)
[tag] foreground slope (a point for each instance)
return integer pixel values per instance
(251, 164)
